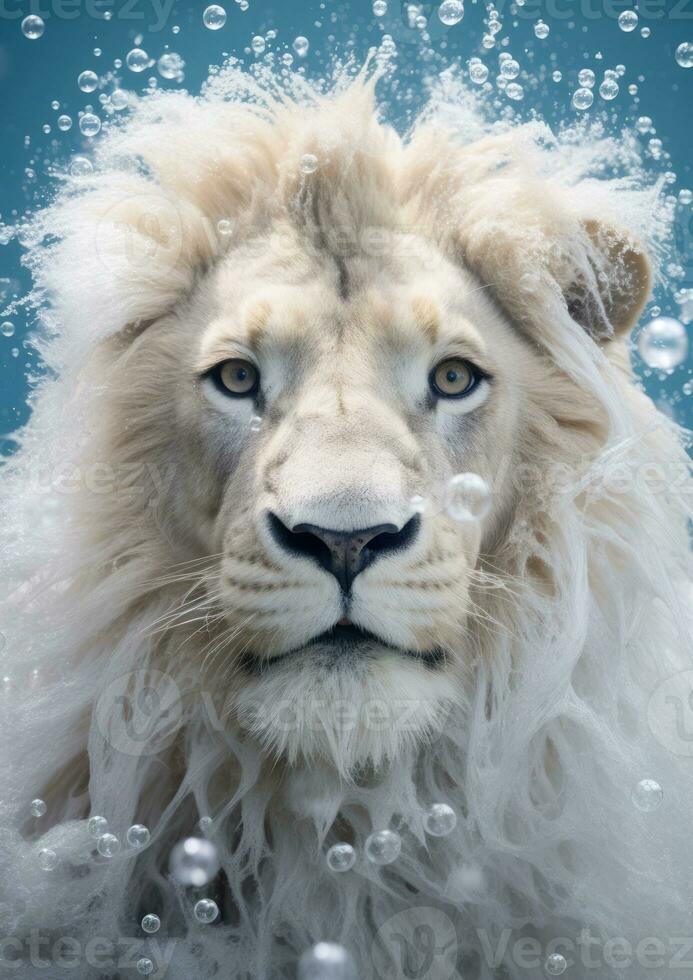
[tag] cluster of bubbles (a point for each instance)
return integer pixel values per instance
(384, 846)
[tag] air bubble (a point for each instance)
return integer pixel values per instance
(138, 835)
(379, 8)
(647, 795)
(97, 827)
(214, 17)
(451, 12)
(541, 30)
(224, 227)
(308, 163)
(608, 89)
(586, 78)
(510, 68)
(341, 857)
(145, 966)
(301, 45)
(255, 424)
(478, 72)
(87, 81)
(137, 60)
(583, 99)
(439, 820)
(64, 123)
(151, 923)
(81, 166)
(628, 21)
(206, 910)
(258, 44)
(47, 859)
(514, 91)
(684, 54)
(38, 808)
(89, 124)
(119, 99)
(33, 27)
(556, 964)
(108, 845)
(663, 343)
(7, 328)
(383, 847)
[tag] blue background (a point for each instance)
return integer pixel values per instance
(34, 73)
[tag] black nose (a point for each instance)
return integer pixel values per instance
(343, 553)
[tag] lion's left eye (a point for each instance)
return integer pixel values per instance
(236, 377)
(454, 378)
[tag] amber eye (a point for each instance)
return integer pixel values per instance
(454, 378)
(237, 378)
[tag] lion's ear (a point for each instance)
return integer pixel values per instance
(608, 300)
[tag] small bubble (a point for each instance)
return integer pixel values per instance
(439, 820)
(255, 424)
(107, 14)
(685, 196)
(81, 166)
(628, 21)
(510, 68)
(119, 99)
(643, 124)
(214, 17)
(87, 81)
(108, 845)
(557, 76)
(137, 60)
(583, 99)
(206, 910)
(47, 859)
(556, 965)
(138, 835)
(684, 54)
(33, 27)
(7, 328)
(647, 795)
(258, 44)
(541, 30)
(478, 72)
(64, 123)
(514, 91)
(151, 923)
(89, 124)
(586, 78)
(301, 45)
(224, 227)
(341, 857)
(663, 343)
(379, 8)
(383, 847)
(645, 32)
(38, 808)
(145, 966)
(451, 12)
(308, 163)
(608, 90)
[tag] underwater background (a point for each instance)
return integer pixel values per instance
(61, 61)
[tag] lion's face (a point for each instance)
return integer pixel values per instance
(316, 400)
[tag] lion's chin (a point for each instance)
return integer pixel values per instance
(351, 712)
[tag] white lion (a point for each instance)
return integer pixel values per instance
(274, 330)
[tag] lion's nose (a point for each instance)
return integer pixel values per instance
(343, 553)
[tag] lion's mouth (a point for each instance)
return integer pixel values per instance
(343, 643)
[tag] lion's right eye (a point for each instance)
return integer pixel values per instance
(236, 378)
